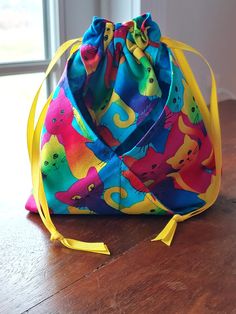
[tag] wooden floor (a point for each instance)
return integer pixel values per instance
(197, 274)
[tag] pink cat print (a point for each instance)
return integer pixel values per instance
(59, 122)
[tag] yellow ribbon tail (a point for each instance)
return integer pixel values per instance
(167, 234)
(93, 247)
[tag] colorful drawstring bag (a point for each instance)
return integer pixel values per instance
(126, 131)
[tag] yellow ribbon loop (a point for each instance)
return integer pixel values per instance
(212, 124)
(33, 140)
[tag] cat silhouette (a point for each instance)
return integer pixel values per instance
(59, 122)
(52, 156)
(87, 192)
(150, 169)
(185, 155)
(178, 200)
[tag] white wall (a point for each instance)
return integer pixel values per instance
(77, 16)
(120, 11)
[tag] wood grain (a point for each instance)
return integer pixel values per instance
(29, 261)
(197, 274)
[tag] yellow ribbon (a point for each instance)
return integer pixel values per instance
(33, 141)
(212, 124)
(167, 234)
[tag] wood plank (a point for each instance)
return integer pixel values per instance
(29, 261)
(196, 275)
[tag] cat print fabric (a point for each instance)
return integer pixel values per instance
(123, 133)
